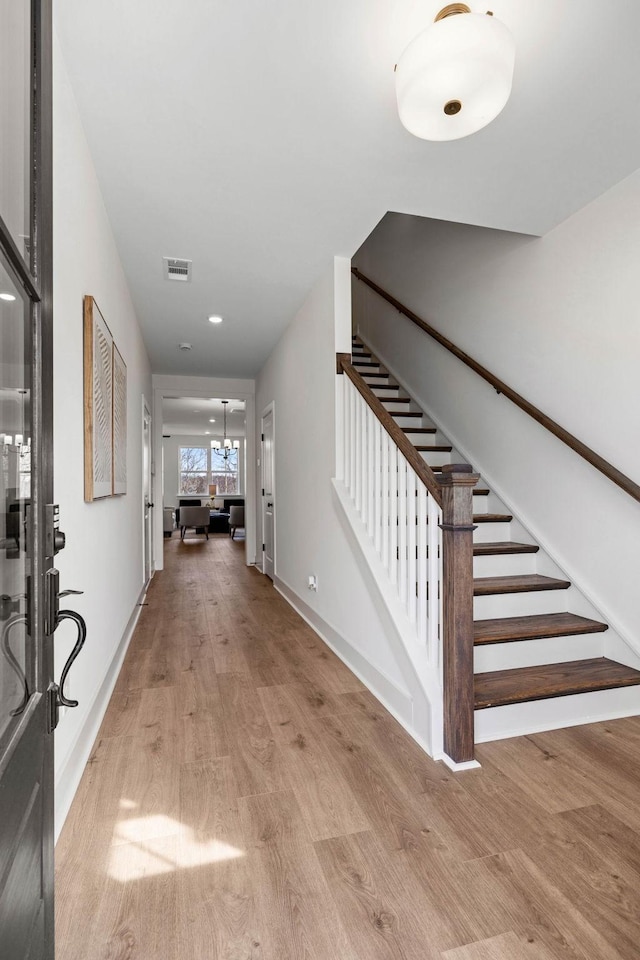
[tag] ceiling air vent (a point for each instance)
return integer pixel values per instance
(177, 269)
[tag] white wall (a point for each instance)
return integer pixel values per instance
(104, 554)
(312, 536)
(558, 319)
(171, 474)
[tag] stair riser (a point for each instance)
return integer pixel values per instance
(392, 406)
(504, 565)
(519, 604)
(375, 381)
(490, 532)
(529, 653)
(410, 421)
(435, 458)
(498, 723)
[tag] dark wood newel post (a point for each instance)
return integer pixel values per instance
(457, 483)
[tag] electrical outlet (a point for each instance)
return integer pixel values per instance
(312, 582)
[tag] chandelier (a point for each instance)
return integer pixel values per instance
(226, 445)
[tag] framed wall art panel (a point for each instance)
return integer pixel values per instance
(119, 423)
(98, 404)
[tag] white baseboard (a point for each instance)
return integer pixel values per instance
(69, 776)
(396, 700)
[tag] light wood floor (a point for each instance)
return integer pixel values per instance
(248, 799)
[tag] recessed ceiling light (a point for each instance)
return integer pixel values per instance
(215, 319)
(7, 296)
(211, 421)
(207, 432)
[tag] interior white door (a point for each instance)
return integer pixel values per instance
(268, 494)
(147, 504)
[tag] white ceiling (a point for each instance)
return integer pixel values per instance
(190, 416)
(261, 139)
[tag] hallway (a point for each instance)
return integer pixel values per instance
(248, 799)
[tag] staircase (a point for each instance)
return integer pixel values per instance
(528, 646)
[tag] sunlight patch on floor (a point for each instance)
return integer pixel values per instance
(141, 848)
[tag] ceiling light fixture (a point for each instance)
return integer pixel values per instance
(455, 77)
(9, 297)
(211, 421)
(226, 444)
(215, 319)
(184, 346)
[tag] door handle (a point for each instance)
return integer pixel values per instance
(79, 644)
(14, 663)
(270, 504)
(54, 617)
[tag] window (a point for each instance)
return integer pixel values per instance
(224, 473)
(194, 470)
(202, 466)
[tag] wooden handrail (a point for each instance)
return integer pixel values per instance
(397, 434)
(616, 476)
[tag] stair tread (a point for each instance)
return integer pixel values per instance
(492, 518)
(501, 630)
(497, 547)
(394, 399)
(385, 386)
(367, 363)
(523, 583)
(419, 429)
(406, 413)
(365, 375)
(481, 491)
(551, 680)
(441, 447)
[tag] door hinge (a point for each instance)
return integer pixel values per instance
(263, 491)
(262, 438)
(263, 547)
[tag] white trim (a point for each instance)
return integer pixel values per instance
(270, 408)
(70, 774)
(385, 689)
(146, 412)
(178, 386)
(459, 767)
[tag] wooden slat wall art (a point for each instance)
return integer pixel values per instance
(105, 403)
(119, 423)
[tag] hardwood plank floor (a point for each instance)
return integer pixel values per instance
(248, 799)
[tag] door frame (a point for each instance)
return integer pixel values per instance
(270, 408)
(147, 526)
(36, 279)
(171, 386)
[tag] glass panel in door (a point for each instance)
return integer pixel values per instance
(15, 121)
(16, 666)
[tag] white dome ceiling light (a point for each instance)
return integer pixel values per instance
(456, 76)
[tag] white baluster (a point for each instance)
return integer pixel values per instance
(384, 546)
(411, 544)
(393, 513)
(371, 446)
(422, 572)
(402, 528)
(364, 486)
(353, 439)
(435, 561)
(377, 484)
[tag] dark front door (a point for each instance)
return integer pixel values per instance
(26, 745)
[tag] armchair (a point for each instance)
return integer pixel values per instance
(194, 517)
(236, 519)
